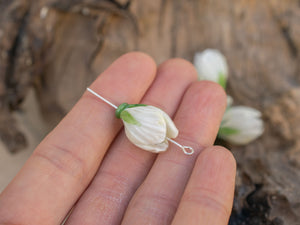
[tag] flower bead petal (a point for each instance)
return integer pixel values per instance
(151, 128)
(172, 131)
(241, 125)
(156, 148)
(148, 127)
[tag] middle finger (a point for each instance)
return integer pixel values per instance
(198, 119)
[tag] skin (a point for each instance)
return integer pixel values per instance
(87, 164)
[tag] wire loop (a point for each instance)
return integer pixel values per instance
(186, 149)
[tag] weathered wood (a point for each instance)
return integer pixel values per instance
(59, 47)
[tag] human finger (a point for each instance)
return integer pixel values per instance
(126, 166)
(64, 163)
(197, 119)
(208, 196)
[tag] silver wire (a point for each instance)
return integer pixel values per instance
(186, 149)
(103, 99)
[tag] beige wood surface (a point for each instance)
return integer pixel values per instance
(58, 47)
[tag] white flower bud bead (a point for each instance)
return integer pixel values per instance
(211, 65)
(229, 101)
(241, 125)
(147, 127)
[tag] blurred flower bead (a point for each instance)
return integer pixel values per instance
(241, 125)
(148, 127)
(211, 65)
(229, 101)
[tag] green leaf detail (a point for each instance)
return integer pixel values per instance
(222, 80)
(124, 106)
(226, 131)
(128, 118)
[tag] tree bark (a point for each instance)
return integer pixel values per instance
(59, 47)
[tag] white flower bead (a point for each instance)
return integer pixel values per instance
(241, 125)
(211, 65)
(229, 101)
(148, 127)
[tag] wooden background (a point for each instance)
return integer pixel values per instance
(58, 47)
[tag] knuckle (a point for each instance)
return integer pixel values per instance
(111, 187)
(62, 159)
(159, 206)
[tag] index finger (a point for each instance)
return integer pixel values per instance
(65, 162)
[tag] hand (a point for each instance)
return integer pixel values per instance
(86, 164)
